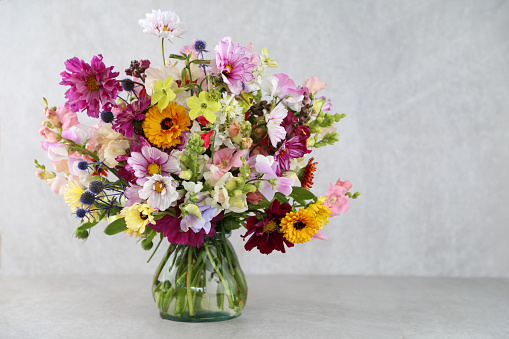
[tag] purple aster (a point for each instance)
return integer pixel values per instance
(124, 120)
(294, 147)
(152, 161)
(92, 85)
(233, 63)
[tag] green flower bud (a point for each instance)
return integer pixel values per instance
(81, 234)
(236, 202)
(185, 175)
(146, 244)
(237, 193)
(231, 184)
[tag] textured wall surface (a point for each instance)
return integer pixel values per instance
(425, 85)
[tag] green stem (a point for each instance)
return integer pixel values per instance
(155, 250)
(225, 285)
(162, 49)
(188, 282)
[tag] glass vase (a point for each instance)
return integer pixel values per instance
(200, 284)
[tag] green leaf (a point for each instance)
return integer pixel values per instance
(116, 227)
(230, 223)
(87, 225)
(300, 195)
(281, 197)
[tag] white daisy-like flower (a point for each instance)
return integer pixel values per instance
(164, 24)
(160, 192)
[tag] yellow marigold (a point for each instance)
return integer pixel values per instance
(163, 129)
(322, 212)
(299, 226)
(137, 217)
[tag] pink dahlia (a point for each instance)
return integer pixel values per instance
(91, 85)
(233, 63)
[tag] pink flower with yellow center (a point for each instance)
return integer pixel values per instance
(233, 63)
(151, 161)
(92, 85)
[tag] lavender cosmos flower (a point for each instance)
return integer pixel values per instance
(152, 161)
(233, 63)
(91, 84)
(164, 24)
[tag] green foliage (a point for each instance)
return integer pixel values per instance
(115, 227)
(301, 195)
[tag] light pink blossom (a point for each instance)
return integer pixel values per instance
(336, 199)
(314, 85)
(274, 129)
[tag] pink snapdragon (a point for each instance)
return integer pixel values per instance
(314, 85)
(337, 200)
(226, 158)
(233, 63)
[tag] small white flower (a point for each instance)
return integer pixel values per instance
(160, 192)
(164, 24)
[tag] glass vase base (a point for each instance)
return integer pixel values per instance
(200, 317)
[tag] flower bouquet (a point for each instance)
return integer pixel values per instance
(186, 152)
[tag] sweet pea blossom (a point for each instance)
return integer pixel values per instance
(314, 85)
(267, 166)
(274, 129)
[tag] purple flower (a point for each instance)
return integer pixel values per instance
(294, 147)
(233, 63)
(91, 85)
(124, 120)
(190, 221)
(267, 166)
(152, 161)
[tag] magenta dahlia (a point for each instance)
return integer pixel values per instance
(91, 85)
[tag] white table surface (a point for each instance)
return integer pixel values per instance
(277, 307)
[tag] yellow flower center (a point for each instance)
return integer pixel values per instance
(166, 28)
(228, 68)
(159, 186)
(92, 83)
(270, 227)
(154, 169)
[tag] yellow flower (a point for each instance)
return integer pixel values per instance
(322, 212)
(203, 105)
(137, 217)
(299, 226)
(163, 93)
(163, 128)
(72, 192)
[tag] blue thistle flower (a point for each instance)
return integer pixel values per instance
(107, 116)
(83, 165)
(95, 187)
(81, 213)
(127, 85)
(199, 46)
(87, 198)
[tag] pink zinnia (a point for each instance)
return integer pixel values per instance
(152, 161)
(233, 63)
(91, 85)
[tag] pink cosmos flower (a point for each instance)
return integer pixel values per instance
(336, 199)
(91, 84)
(164, 24)
(274, 129)
(152, 161)
(233, 63)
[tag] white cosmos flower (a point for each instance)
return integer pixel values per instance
(160, 192)
(164, 24)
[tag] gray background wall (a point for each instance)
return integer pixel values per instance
(424, 83)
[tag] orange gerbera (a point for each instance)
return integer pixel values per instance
(163, 129)
(307, 176)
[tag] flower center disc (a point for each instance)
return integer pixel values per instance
(270, 227)
(92, 84)
(159, 187)
(143, 216)
(154, 169)
(299, 225)
(228, 68)
(166, 124)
